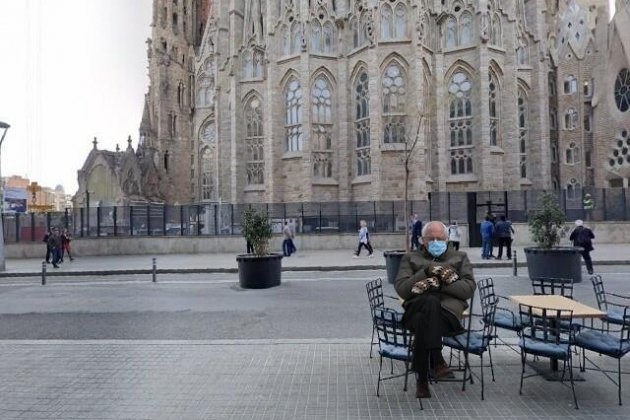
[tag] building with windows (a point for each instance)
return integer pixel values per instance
(324, 100)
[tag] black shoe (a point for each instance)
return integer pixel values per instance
(590, 271)
(422, 390)
(55, 265)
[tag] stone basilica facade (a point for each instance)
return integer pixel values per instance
(325, 100)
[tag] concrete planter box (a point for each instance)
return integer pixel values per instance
(558, 263)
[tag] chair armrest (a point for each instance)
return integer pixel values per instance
(392, 297)
(618, 296)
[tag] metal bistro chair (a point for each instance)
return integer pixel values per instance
(504, 317)
(614, 310)
(613, 343)
(553, 286)
(547, 333)
(376, 299)
(395, 343)
(476, 341)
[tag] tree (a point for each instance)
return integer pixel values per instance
(407, 157)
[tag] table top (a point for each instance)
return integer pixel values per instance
(580, 310)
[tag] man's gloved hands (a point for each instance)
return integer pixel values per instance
(428, 284)
(445, 275)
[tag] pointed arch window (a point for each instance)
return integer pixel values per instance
(207, 184)
(316, 36)
(362, 124)
(522, 53)
(205, 96)
(293, 125)
(286, 41)
(496, 37)
(254, 142)
(494, 108)
(401, 21)
(572, 154)
(394, 87)
(523, 131)
(329, 38)
(258, 63)
(322, 128)
(465, 23)
(573, 189)
(460, 117)
(571, 119)
(387, 22)
(451, 33)
(296, 38)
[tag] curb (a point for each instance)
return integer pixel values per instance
(235, 270)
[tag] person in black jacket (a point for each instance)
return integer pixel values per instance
(583, 237)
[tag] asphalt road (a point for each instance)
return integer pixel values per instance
(307, 305)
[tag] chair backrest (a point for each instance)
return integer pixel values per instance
(600, 293)
(553, 286)
(390, 330)
(375, 294)
(546, 324)
(486, 289)
(489, 302)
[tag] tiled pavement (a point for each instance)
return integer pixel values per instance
(262, 379)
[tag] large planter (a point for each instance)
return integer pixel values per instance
(392, 263)
(259, 272)
(563, 262)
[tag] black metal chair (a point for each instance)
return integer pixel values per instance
(395, 343)
(547, 333)
(376, 299)
(614, 310)
(476, 341)
(552, 286)
(612, 339)
(504, 317)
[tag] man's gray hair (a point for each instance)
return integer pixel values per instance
(426, 227)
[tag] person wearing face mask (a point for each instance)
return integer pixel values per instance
(435, 282)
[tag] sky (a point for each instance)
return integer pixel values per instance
(70, 70)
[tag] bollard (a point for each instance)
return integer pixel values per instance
(514, 267)
(44, 273)
(154, 271)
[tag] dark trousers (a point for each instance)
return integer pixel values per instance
(425, 317)
(48, 252)
(55, 255)
(507, 242)
(287, 247)
(455, 245)
(415, 242)
(250, 248)
(587, 260)
(292, 246)
(367, 246)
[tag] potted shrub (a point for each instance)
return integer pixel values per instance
(547, 259)
(261, 269)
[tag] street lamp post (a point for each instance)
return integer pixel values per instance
(3, 127)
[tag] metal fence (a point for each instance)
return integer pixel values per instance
(213, 219)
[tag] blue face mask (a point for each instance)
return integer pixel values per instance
(437, 248)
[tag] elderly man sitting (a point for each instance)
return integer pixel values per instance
(435, 281)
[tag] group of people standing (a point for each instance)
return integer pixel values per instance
(57, 245)
(499, 232)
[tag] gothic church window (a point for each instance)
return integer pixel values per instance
(571, 119)
(293, 125)
(465, 22)
(394, 103)
(493, 108)
(460, 124)
(362, 124)
(570, 84)
(451, 33)
(254, 142)
(206, 175)
(359, 27)
(253, 61)
(523, 131)
(322, 126)
(292, 39)
(496, 37)
(622, 90)
(522, 53)
(572, 154)
(393, 21)
(573, 189)
(205, 94)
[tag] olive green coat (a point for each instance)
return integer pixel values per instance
(453, 296)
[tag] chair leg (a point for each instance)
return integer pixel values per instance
(520, 390)
(466, 370)
(406, 375)
(372, 342)
(571, 378)
(491, 364)
(378, 384)
(619, 378)
(482, 384)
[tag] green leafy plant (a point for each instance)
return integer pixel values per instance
(257, 230)
(546, 222)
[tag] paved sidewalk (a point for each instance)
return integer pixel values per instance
(307, 260)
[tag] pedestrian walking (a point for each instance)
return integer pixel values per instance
(293, 229)
(587, 205)
(583, 237)
(286, 243)
(416, 232)
(45, 240)
(65, 244)
(364, 240)
(504, 231)
(487, 232)
(54, 242)
(454, 236)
